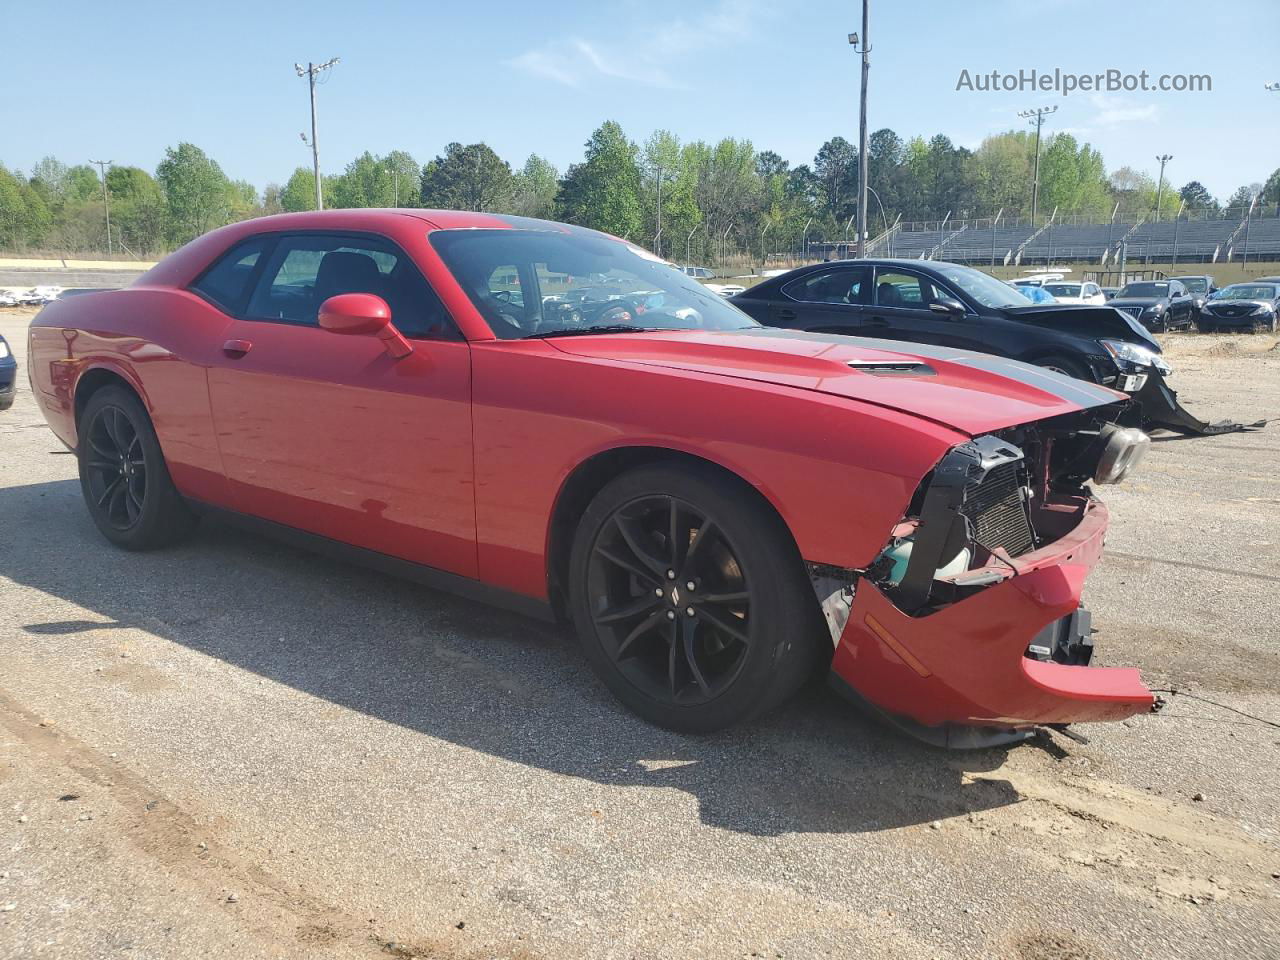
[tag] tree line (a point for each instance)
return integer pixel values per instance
(705, 201)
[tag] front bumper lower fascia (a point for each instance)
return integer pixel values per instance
(964, 665)
(1160, 408)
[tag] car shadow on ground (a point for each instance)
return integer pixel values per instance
(471, 675)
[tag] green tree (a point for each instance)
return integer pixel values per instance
(299, 191)
(196, 191)
(138, 210)
(470, 177)
(1197, 200)
(1239, 201)
(1072, 178)
(534, 188)
(1271, 191)
(366, 182)
(1002, 173)
(604, 190)
(836, 166)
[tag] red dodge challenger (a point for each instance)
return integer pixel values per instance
(548, 417)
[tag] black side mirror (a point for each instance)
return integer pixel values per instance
(947, 306)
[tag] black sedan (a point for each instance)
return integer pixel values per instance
(1201, 286)
(958, 310)
(955, 306)
(1157, 304)
(8, 375)
(1246, 307)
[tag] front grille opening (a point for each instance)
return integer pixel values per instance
(997, 508)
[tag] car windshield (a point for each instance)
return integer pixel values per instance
(1248, 291)
(1195, 284)
(985, 289)
(542, 283)
(1063, 289)
(1144, 290)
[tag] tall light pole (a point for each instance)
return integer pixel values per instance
(862, 129)
(1163, 159)
(1036, 118)
(106, 204)
(310, 73)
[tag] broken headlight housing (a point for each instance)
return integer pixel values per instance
(1122, 448)
(1123, 351)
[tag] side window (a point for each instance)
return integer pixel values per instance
(306, 270)
(902, 290)
(227, 281)
(845, 285)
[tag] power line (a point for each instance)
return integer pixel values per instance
(106, 204)
(311, 71)
(1036, 118)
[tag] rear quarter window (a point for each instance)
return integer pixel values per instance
(226, 282)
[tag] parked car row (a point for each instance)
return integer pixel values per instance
(28, 296)
(1176, 303)
(547, 417)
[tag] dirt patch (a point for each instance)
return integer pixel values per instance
(1051, 946)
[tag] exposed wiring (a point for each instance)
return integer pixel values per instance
(1215, 703)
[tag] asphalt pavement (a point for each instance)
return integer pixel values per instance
(233, 748)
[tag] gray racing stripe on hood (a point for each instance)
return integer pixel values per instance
(1079, 392)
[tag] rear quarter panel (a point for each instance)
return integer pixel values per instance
(839, 472)
(161, 342)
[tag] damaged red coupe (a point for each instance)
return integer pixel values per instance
(542, 415)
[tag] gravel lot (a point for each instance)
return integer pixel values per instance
(235, 749)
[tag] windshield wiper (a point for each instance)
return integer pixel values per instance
(593, 329)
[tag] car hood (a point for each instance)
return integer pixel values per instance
(1139, 301)
(970, 392)
(1099, 321)
(1251, 304)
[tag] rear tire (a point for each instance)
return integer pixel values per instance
(123, 475)
(1065, 365)
(690, 599)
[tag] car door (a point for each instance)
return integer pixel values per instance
(830, 300)
(1180, 304)
(329, 433)
(900, 311)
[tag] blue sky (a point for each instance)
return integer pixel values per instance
(121, 81)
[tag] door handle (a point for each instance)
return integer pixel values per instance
(875, 322)
(785, 314)
(237, 348)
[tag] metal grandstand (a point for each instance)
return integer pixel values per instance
(1237, 236)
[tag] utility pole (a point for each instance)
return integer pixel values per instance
(1163, 159)
(1036, 118)
(106, 204)
(310, 73)
(862, 129)
(657, 237)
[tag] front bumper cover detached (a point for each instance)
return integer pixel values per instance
(1160, 408)
(960, 676)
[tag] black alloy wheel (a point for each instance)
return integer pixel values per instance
(690, 598)
(123, 474)
(674, 604)
(116, 467)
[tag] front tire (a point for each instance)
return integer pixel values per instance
(1065, 365)
(123, 475)
(690, 599)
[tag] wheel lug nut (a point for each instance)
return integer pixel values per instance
(671, 614)
(689, 610)
(657, 591)
(691, 585)
(671, 574)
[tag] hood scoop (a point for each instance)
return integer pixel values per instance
(893, 368)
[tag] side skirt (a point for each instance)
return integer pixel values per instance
(384, 563)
